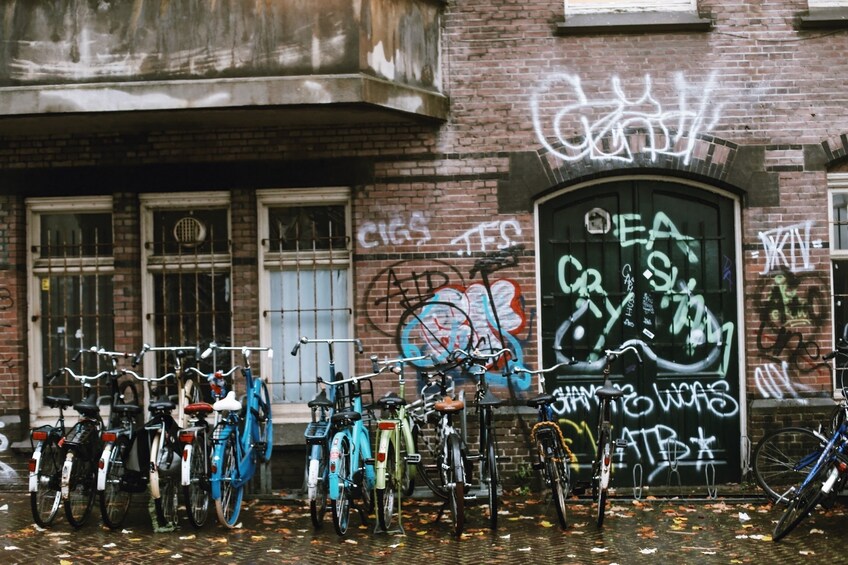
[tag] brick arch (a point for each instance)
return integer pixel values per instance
(836, 154)
(738, 168)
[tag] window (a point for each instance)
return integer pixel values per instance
(827, 3)
(592, 6)
(187, 292)
(305, 258)
(71, 267)
(838, 184)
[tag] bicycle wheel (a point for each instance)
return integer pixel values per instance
(492, 479)
(386, 496)
(114, 499)
(47, 497)
(317, 470)
(266, 425)
(558, 474)
(341, 505)
(782, 458)
(166, 504)
(82, 480)
(801, 504)
(228, 506)
(601, 474)
(196, 492)
(453, 473)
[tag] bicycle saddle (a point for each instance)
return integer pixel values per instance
(448, 405)
(489, 399)
(87, 406)
(161, 405)
(346, 417)
(320, 400)
(228, 403)
(56, 401)
(127, 408)
(541, 400)
(198, 408)
(609, 391)
(391, 401)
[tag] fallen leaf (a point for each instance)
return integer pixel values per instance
(646, 551)
(598, 550)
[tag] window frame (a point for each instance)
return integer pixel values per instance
(837, 183)
(298, 412)
(36, 208)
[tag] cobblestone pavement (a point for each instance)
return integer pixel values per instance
(279, 530)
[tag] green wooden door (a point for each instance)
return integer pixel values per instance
(652, 264)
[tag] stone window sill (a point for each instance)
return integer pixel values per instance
(632, 22)
(825, 18)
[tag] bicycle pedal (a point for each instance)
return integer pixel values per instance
(413, 459)
(369, 461)
(620, 443)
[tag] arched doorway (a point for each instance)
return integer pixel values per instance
(652, 263)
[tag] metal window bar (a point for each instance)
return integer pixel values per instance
(76, 287)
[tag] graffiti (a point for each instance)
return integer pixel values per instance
(7, 474)
(772, 381)
(481, 236)
(396, 231)
(597, 129)
(713, 398)
(788, 247)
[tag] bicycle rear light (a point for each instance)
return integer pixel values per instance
(39, 435)
(108, 436)
(381, 457)
(32, 464)
(186, 437)
(386, 425)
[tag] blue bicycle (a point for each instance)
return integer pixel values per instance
(242, 439)
(351, 473)
(318, 433)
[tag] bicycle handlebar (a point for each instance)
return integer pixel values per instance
(614, 353)
(81, 378)
(245, 350)
(148, 379)
(519, 369)
(478, 357)
(208, 376)
(398, 361)
(328, 341)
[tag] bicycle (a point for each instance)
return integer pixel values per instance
(553, 456)
(319, 431)
(115, 482)
(397, 456)
(783, 457)
(351, 470)
(45, 465)
(196, 466)
(165, 449)
(602, 464)
(450, 461)
(828, 471)
(82, 446)
(476, 362)
(242, 439)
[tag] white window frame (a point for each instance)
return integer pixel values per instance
(827, 3)
(35, 209)
(837, 183)
(153, 202)
(574, 7)
(297, 412)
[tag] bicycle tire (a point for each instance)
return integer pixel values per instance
(228, 506)
(196, 492)
(492, 478)
(128, 394)
(153, 473)
(166, 505)
(782, 458)
(82, 480)
(341, 505)
(454, 472)
(46, 500)
(600, 479)
(318, 499)
(265, 423)
(801, 505)
(386, 496)
(557, 472)
(114, 499)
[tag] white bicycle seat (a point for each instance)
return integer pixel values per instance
(228, 403)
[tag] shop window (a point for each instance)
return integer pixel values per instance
(305, 290)
(71, 267)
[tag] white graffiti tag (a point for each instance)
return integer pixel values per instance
(598, 129)
(506, 231)
(788, 247)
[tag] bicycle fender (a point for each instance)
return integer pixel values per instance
(365, 456)
(103, 467)
(335, 455)
(66, 474)
(383, 446)
(36, 465)
(185, 466)
(215, 479)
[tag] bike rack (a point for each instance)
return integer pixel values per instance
(710, 473)
(673, 462)
(637, 484)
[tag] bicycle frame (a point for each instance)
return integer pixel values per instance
(356, 435)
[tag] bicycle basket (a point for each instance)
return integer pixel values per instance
(317, 432)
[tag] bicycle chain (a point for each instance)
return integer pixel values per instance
(568, 454)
